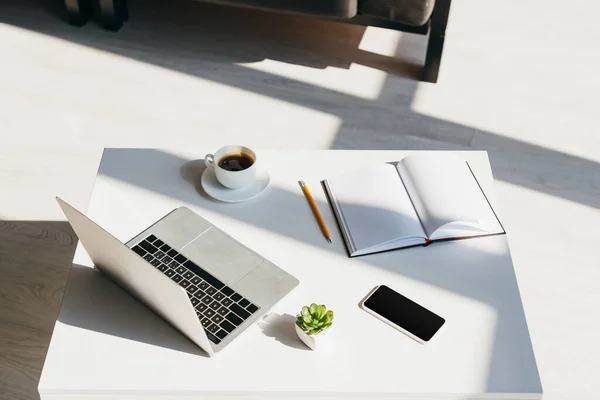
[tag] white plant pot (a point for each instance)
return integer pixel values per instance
(312, 341)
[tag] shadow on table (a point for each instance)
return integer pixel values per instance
(192, 172)
(94, 302)
(281, 328)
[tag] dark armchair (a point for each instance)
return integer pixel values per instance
(416, 16)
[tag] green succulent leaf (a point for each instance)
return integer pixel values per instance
(313, 309)
(321, 311)
(305, 311)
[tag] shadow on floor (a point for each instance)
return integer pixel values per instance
(210, 42)
(182, 30)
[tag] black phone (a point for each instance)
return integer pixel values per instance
(402, 313)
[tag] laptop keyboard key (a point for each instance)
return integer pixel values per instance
(139, 250)
(215, 305)
(169, 273)
(217, 319)
(174, 264)
(194, 301)
(209, 313)
(227, 326)
(239, 311)
(155, 262)
(205, 322)
(252, 308)
(207, 299)
(201, 307)
(195, 280)
(167, 259)
(227, 291)
(219, 296)
(213, 328)
(172, 253)
(221, 334)
(236, 297)
(223, 311)
(184, 284)
(158, 243)
(180, 270)
(159, 254)
(188, 275)
(148, 247)
(200, 294)
(203, 285)
(177, 278)
(243, 303)
(165, 247)
(162, 268)
(151, 238)
(148, 257)
(213, 338)
(226, 301)
(210, 290)
(192, 289)
(180, 259)
(234, 319)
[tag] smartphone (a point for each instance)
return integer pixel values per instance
(400, 312)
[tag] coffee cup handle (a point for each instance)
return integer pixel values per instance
(209, 160)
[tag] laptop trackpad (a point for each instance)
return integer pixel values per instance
(221, 256)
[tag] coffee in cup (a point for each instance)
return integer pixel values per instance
(234, 166)
(236, 161)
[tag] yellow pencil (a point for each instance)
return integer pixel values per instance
(313, 205)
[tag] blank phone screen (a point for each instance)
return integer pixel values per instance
(404, 312)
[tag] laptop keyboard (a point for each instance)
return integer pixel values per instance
(220, 309)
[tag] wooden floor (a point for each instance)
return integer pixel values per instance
(34, 261)
(519, 79)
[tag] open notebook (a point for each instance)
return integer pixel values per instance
(423, 198)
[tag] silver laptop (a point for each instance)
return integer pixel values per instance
(205, 283)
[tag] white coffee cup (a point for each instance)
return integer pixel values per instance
(232, 179)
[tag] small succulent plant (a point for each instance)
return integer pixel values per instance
(314, 319)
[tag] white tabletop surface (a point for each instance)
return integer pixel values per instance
(108, 345)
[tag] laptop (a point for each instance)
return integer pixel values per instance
(202, 281)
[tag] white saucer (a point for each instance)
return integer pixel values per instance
(214, 189)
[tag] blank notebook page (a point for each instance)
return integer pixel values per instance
(444, 191)
(375, 206)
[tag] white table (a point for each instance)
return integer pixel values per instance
(107, 345)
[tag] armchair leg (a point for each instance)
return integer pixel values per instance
(78, 11)
(437, 33)
(113, 13)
